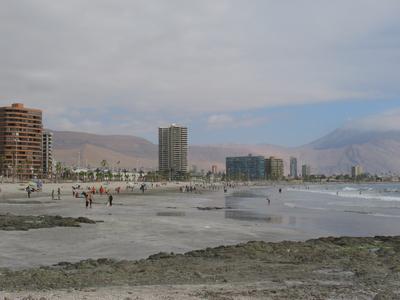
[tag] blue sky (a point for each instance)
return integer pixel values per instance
(290, 125)
(260, 71)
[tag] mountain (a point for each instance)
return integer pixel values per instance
(91, 149)
(376, 151)
(344, 137)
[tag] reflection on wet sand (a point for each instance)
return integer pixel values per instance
(171, 214)
(245, 215)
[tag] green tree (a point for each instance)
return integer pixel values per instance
(90, 175)
(59, 169)
(82, 176)
(110, 175)
(99, 175)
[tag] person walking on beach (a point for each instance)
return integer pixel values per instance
(28, 190)
(86, 199)
(110, 199)
(52, 194)
(269, 201)
(90, 200)
(59, 194)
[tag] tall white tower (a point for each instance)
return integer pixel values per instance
(173, 150)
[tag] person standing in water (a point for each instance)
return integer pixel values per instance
(59, 194)
(52, 194)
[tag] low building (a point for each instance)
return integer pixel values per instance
(274, 169)
(245, 168)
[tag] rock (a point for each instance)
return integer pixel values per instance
(386, 295)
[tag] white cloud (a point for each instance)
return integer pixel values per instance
(386, 121)
(222, 121)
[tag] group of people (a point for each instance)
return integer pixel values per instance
(88, 194)
(187, 189)
(58, 194)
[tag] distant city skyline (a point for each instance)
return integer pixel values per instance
(263, 71)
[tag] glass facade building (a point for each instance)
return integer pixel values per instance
(245, 168)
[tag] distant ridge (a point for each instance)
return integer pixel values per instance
(377, 151)
(344, 137)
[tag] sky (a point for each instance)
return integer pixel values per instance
(261, 71)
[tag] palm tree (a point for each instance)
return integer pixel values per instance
(82, 176)
(99, 175)
(90, 175)
(59, 169)
(104, 163)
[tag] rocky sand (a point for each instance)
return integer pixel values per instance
(11, 222)
(324, 268)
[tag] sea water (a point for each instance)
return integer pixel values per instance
(322, 209)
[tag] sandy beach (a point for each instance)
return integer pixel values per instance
(138, 225)
(164, 220)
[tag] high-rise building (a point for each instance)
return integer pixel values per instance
(20, 141)
(47, 153)
(356, 171)
(245, 167)
(305, 171)
(173, 150)
(293, 167)
(274, 168)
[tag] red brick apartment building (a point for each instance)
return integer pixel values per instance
(20, 141)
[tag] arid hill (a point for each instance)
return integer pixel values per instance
(376, 151)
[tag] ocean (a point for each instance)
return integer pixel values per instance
(322, 209)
